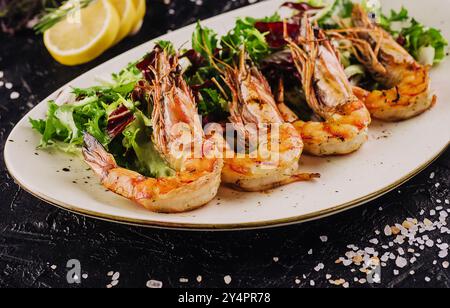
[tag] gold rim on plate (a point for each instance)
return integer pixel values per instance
(237, 226)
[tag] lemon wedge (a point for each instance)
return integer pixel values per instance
(141, 9)
(79, 40)
(127, 13)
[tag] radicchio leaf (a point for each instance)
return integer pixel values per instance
(302, 6)
(118, 120)
(275, 32)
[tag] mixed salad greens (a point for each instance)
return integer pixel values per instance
(118, 113)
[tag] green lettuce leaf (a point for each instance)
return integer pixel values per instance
(138, 138)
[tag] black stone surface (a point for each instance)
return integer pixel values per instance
(34, 236)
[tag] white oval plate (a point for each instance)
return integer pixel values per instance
(395, 153)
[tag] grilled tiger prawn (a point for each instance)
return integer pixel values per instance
(329, 94)
(175, 124)
(407, 81)
(273, 147)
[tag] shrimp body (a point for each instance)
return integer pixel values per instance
(273, 146)
(408, 83)
(330, 95)
(178, 136)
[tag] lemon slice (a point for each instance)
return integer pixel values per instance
(127, 13)
(77, 41)
(141, 9)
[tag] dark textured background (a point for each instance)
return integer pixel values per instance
(34, 235)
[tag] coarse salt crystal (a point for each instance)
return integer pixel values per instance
(199, 279)
(324, 238)
(14, 95)
(227, 279)
(427, 279)
(184, 280)
(116, 276)
(445, 264)
(374, 241)
(387, 231)
(154, 284)
(432, 175)
(1, 74)
(276, 259)
(312, 283)
(8, 85)
(110, 274)
(401, 262)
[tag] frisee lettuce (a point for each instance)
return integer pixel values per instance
(65, 124)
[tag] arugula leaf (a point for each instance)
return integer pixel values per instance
(204, 41)
(427, 45)
(246, 35)
(419, 37)
(167, 46)
(212, 103)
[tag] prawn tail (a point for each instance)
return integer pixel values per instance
(300, 177)
(96, 156)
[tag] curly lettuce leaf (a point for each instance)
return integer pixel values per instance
(64, 126)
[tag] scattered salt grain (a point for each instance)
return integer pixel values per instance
(297, 281)
(227, 279)
(443, 254)
(396, 272)
(427, 279)
(319, 267)
(445, 265)
(53, 267)
(2, 84)
(184, 280)
(154, 284)
(387, 231)
(276, 259)
(85, 276)
(324, 238)
(115, 283)
(14, 95)
(401, 262)
(199, 279)
(110, 274)
(432, 175)
(116, 276)
(109, 286)
(1, 74)
(310, 252)
(8, 85)
(312, 283)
